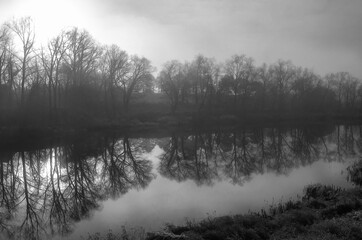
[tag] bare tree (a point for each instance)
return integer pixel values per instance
(5, 63)
(303, 86)
(204, 73)
(345, 86)
(263, 77)
(170, 79)
(24, 30)
(238, 72)
(115, 67)
(4, 42)
(51, 59)
(140, 68)
(81, 56)
(282, 76)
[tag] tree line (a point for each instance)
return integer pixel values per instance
(73, 77)
(72, 74)
(242, 86)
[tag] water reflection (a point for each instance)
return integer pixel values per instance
(237, 155)
(44, 192)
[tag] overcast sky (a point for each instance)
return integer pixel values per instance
(324, 35)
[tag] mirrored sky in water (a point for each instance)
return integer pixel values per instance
(169, 201)
(95, 183)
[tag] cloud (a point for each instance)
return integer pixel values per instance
(324, 34)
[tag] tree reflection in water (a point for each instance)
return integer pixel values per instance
(237, 155)
(44, 192)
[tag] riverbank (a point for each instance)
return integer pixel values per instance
(27, 135)
(324, 212)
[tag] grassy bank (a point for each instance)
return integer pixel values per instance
(324, 212)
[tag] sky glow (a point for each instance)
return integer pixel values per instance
(323, 35)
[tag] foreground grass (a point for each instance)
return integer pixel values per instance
(325, 212)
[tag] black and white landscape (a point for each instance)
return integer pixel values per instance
(160, 119)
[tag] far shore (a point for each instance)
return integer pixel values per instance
(15, 136)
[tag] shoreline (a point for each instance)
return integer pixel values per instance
(324, 212)
(170, 123)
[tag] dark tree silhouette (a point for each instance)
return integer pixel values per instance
(23, 28)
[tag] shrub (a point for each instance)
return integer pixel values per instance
(320, 191)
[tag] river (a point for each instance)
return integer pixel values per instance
(81, 185)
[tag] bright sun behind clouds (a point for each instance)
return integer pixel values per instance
(51, 16)
(322, 35)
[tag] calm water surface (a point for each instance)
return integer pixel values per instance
(101, 183)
